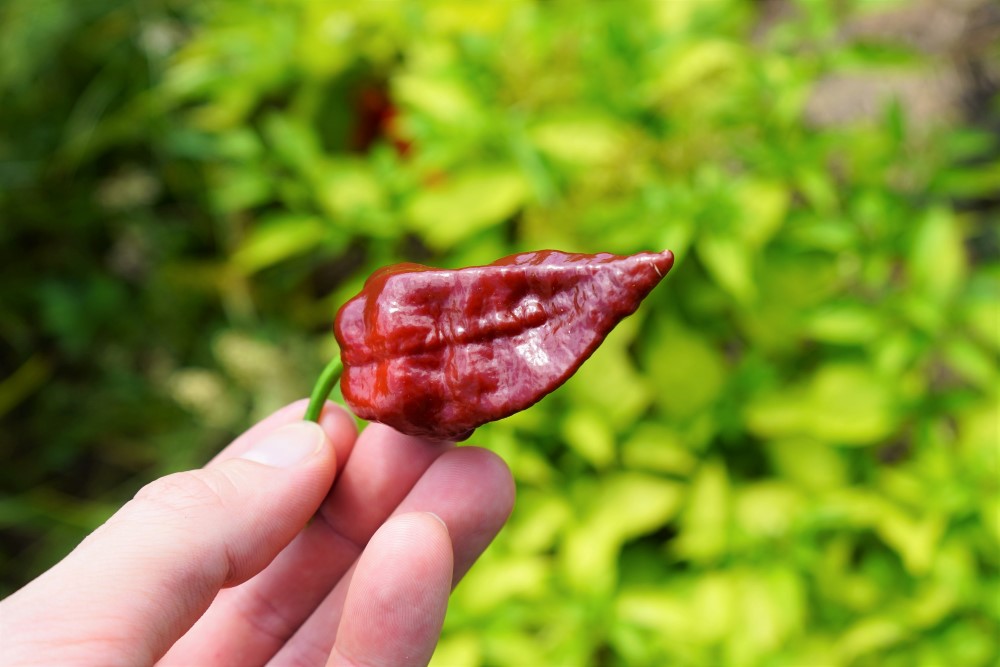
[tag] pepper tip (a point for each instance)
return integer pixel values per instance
(663, 262)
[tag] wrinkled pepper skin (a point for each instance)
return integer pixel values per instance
(437, 353)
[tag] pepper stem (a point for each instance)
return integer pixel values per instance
(324, 385)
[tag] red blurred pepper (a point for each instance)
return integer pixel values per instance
(437, 353)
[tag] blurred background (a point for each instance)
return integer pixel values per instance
(788, 456)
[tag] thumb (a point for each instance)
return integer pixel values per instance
(144, 577)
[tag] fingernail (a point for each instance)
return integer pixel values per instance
(439, 519)
(288, 446)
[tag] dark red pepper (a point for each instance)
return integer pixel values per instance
(437, 353)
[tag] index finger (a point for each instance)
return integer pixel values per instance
(334, 420)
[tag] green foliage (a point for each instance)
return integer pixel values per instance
(789, 456)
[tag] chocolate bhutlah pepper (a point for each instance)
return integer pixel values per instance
(437, 353)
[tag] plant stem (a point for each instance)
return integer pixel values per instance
(324, 385)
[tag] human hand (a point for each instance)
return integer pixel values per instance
(255, 559)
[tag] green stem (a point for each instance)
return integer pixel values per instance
(324, 385)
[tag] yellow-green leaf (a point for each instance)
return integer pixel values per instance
(623, 506)
(444, 99)
(278, 239)
(590, 436)
(585, 139)
(844, 323)
(686, 371)
(813, 465)
(609, 383)
(705, 520)
(763, 205)
(937, 257)
(472, 201)
(851, 405)
(348, 187)
(842, 404)
(729, 262)
(657, 448)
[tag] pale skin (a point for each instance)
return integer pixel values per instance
(297, 545)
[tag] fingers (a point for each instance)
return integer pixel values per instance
(254, 620)
(382, 470)
(139, 582)
(471, 489)
(336, 422)
(398, 595)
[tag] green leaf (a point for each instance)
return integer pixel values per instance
(768, 610)
(664, 611)
(590, 436)
(584, 140)
(294, 142)
(850, 404)
(705, 520)
(444, 99)
(937, 260)
(496, 581)
(978, 431)
(538, 521)
(730, 263)
(767, 509)
(812, 465)
(239, 144)
(459, 17)
(323, 44)
(713, 606)
(686, 73)
(932, 605)
(763, 206)
(982, 313)
(608, 383)
(868, 635)
(277, 239)
(634, 504)
(818, 189)
(989, 513)
(972, 363)
(28, 378)
(657, 448)
(239, 188)
(347, 189)
(623, 506)
(474, 200)
(458, 649)
(844, 323)
(687, 372)
(842, 404)
(676, 235)
(981, 181)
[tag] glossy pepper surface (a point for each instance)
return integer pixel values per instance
(437, 353)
